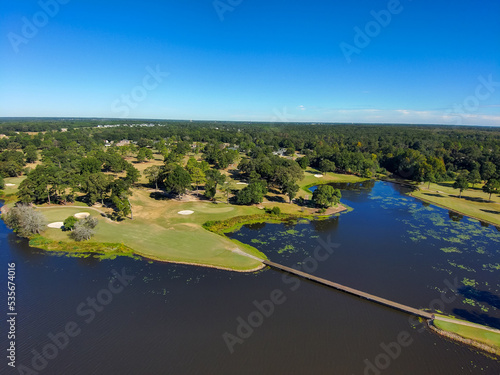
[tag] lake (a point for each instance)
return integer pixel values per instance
(173, 319)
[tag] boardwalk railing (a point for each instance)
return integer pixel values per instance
(371, 297)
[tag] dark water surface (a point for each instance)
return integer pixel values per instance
(171, 319)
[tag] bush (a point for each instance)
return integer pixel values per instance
(81, 232)
(70, 222)
(24, 220)
(83, 229)
(89, 222)
(274, 211)
(2, 183)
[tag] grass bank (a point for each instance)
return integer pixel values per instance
(311, 180)
(473, 203)
(101, 250)
(159, 232)
(481, 338)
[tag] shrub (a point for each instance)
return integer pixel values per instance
(24, 220)
(274, 211)
(70, 222)
(81, 232)
(89, 222)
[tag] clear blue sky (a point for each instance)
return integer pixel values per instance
(259, 60)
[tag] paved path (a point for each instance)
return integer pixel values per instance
(468, 324)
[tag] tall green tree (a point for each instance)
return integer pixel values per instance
(474, 177)
(461, 183)
(488, 170)
(492, 187)
(153, 174)
(325, 195)
(178, 180)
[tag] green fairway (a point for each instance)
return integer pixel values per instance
(477, 334)
(159, 232)
(12, 180)
(310, 179)
(473, 203)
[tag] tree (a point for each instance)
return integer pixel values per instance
(492, 187)
(326, 166)
(325, 195)
(197, 177)
(153, 174)
(31, 154)
(24, 220)
(252, 194)
(210, 190)
(70, 222)
(81, 232)
(461, 183)
(96, 186)
(133, 174)
(474, 177)
(427, 173)
(488, 170)
(122, 206)
(2, 183)
(227, 188)
(178, 180)
(290, 189)
(303, 162)
(90, 222)
(143, 154)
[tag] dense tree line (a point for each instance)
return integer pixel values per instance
(77, 161)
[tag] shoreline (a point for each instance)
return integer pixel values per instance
(416, 188)
(455, 211)
(235, 223)
(469, 342)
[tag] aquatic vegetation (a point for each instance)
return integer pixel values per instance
(255, 240)
(461, 266)
(469, 282)
(287, 248)
(491, 267)
(450, 250)
(469, 301)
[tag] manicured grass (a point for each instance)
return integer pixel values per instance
(12, 180)
(487, 337)
(310, 180)
(474, 202)
(158, 232)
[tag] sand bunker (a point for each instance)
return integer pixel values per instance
(57, 225)
(241, 183)
(318, 175)
(81, 215)
(185, 212)
(9, 185)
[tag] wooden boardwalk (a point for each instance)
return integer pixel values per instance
(370, 297)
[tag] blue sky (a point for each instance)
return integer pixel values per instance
(416, 61)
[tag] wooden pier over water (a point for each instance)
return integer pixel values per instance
(355, 292)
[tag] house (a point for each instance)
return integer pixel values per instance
(123, 142)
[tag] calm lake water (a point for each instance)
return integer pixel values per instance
(172, 319)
